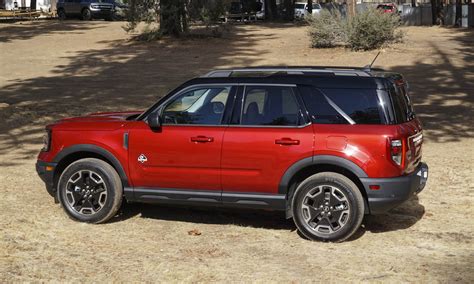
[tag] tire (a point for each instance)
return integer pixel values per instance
(62, 15)
(86, 14)
(328, 207)
(90, 190)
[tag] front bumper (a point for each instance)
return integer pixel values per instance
(394, 191)
(98, 12)
(45, 171)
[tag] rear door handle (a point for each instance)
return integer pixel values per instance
(287, 141)
(202, 139)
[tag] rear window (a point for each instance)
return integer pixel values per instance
(343, 106)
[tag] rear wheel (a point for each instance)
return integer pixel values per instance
(62, 15)
(90, 190)
(86, 14)
(328, 207)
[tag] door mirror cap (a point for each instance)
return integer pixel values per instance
(154, 121)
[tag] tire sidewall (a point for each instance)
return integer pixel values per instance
(86, 14)
(353, 197)
(109, 181)
(62, 14)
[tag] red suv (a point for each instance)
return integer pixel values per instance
(326, 145)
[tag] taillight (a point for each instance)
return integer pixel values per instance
(396, 151)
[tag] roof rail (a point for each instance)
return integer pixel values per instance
(338, 71)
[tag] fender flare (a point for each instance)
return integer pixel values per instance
(96, 150)
(317, 160)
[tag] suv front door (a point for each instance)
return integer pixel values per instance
(268, 133)
(186, 152)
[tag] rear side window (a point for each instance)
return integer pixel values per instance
(270, 105)
(343, 106)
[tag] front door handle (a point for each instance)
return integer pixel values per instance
(287, 141)
(202, 139)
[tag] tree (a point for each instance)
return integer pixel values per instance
(271, 12)
(310, 7)
(458, 18)
(173, 18)
(289, 10)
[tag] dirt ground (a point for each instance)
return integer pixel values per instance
(50, 70)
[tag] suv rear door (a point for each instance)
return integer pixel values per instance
(186, 152)
(268, 133)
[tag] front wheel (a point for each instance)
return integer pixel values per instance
(62, 15)
(328, 207)
(86, 15)
(90, 190)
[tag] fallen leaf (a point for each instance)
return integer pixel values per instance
(194, 232)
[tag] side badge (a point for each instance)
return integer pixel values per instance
(142, 158)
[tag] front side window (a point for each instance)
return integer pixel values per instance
(203, 106)
(270, 105)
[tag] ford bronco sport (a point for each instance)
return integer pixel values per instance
(326, 145)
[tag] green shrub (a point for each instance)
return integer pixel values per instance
(326, 29)
(371, 29)
(366, 30)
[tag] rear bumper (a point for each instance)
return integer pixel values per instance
(45, 171)
(394, 191)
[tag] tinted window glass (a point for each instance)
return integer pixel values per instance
(401, 104)
(269, 105)
(199, 106)
(331, 105)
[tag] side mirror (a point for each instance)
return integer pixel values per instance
(154, 121)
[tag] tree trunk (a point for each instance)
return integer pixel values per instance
(434, 11)
(171, 16)
(458, 18)
(271, 9)
(289, 10)
(310, 7)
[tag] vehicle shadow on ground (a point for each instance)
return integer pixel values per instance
(207, 215)
(400, 218)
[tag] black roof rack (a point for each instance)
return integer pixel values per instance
(296, 70)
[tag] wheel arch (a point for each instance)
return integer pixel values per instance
(81, 151)
(304, 168)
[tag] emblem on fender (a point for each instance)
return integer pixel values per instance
(142, 158)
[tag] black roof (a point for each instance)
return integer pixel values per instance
(320, 76)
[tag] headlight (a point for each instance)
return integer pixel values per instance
(46, 141)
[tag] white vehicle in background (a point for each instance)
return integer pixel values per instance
(301, 9)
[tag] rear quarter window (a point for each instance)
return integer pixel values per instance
(401, 104)
(335, 106)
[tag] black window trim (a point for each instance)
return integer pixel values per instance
(240, 101)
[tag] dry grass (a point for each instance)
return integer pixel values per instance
(50, 70)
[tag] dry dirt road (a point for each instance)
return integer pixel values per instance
(50, 70)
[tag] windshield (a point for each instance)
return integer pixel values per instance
(299, 6)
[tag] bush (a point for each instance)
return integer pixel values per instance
(365, 31)
(371, 29)
(326, 29)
